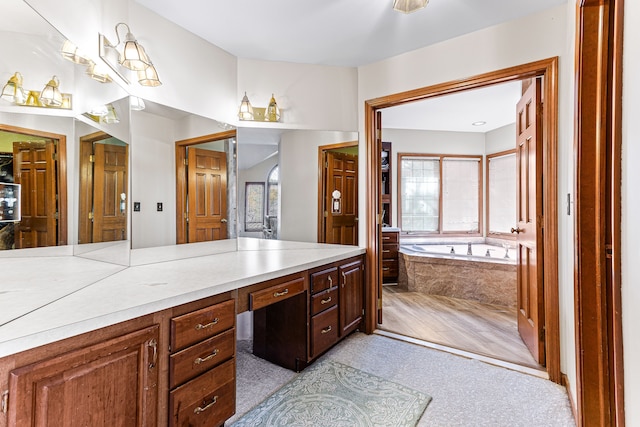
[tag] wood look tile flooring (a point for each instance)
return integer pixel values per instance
(484, 329)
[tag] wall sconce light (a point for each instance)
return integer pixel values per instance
(71, 52)
(137, 104)
(409, 6)
(98, 73)
(131, 55)
(246, 110)
(273, 112)
(13, 91)
(149, 76)
(49, 97)
(269, 114)
(103, 114)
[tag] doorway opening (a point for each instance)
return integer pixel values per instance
(547, 274)
(338, 193)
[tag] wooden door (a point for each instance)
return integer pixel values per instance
(206, 195)
(351, 296)
(378, 252)
(109, 186)
(113, 383)
(34, 168)
(341, 213)
(529, 216)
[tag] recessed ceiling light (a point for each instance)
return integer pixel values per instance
(479, 123)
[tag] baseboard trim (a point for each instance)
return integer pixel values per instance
(574, 408)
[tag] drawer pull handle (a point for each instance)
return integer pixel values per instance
(279, 294)
(325, 301)
(200, 360)
(386, 238)
(386, 268)
(200, 326)
(330, 281)
(344, 279)
(325, 330)
(386, 251)
(201, 409)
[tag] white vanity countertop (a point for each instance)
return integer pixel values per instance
(125, 293)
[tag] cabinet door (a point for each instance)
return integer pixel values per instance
(113, 383)
(351, 295)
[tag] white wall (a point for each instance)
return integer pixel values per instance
(630, 212)
(152, 155)
(309, 96)
(299, 181)
(501, 139)
(544, 35)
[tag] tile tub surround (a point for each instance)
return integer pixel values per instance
(487, 282)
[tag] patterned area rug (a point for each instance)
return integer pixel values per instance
(332, 394)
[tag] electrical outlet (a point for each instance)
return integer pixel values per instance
(136, 206)
(159, 206)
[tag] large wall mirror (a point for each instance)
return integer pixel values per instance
(280, 182)
(183, 184)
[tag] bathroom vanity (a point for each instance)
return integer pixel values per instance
(154, 344)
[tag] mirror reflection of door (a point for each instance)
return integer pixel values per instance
(202, 176)
(206, 195)
(103, 188)
(30, 158)
(339, 183)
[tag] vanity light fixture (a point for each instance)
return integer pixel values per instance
(132, 54)
(111, 116)
(149, 76)
(246, 110)
(98, 73)
(98, 111)
(71, 52)
(50, 95)
(273, 112)
(13, 91)
(409, 6)
(137, 104)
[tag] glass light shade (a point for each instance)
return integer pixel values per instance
(273, 112)
(137, 103)
(99, 110)
(71, 52)
(409, 6)
(149, 76)
(111, 116)
(50, 95)
(246, 110)
(13, 91)
(133, 55)
(98, 73)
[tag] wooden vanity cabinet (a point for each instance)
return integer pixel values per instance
(324, 314)
(114, 382)
(390, 247)
(202, 378)
(351, 303)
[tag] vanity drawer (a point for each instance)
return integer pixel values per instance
(390, 251)
(191, 361)
(207, 400)
(389, 267)
(324, 330)
(276, 293)
(323, 300)
(390, 237)
(324, 279)
(201, 324)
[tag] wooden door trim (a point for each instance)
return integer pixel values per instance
(597, 150)
(181, 177)
(61, 176)
(548, 69)
(321, 177)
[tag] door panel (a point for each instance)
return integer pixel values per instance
(207, 195)
(378, 147)
(529, 216)
(342, 213)
(110, 182)
(34, 170)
